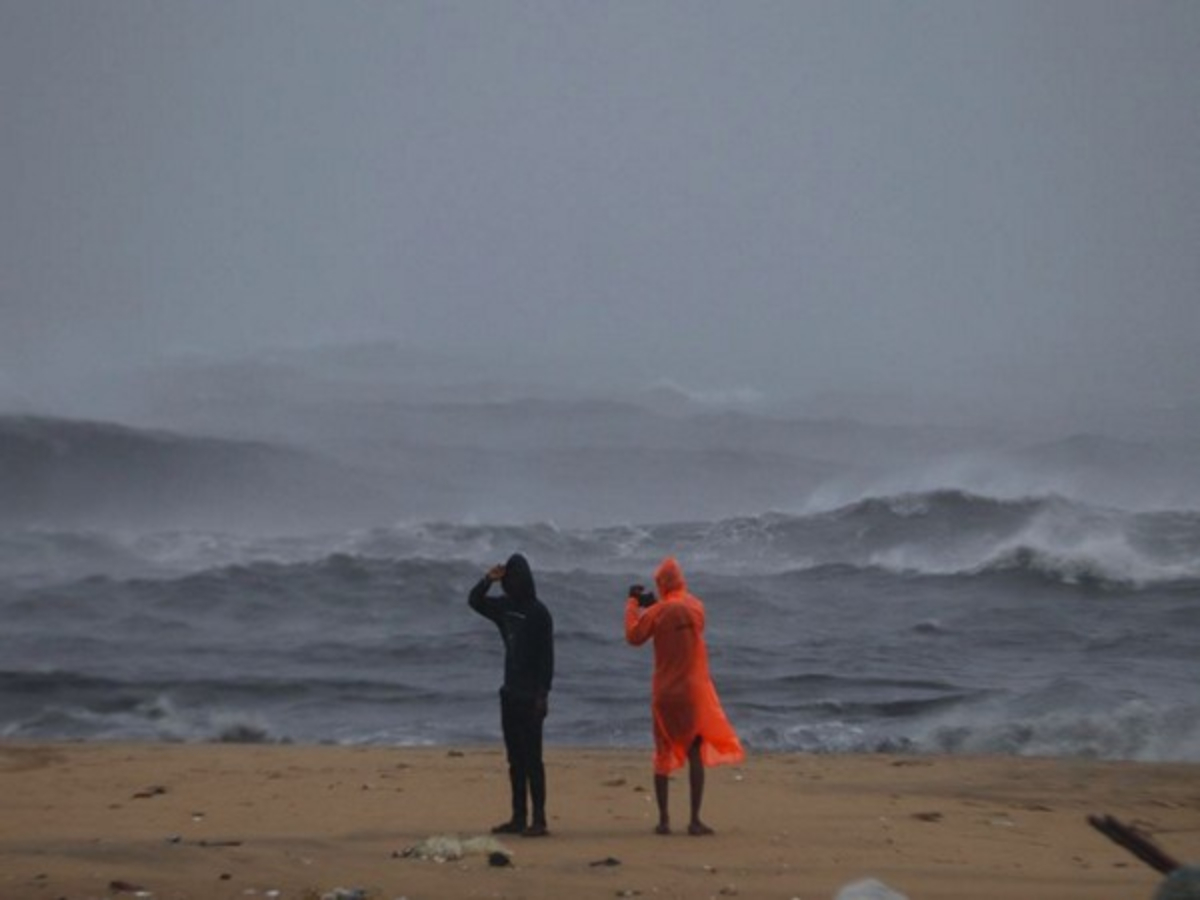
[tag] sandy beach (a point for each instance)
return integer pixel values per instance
(225, 821)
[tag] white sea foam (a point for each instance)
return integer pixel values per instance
(1133, 729)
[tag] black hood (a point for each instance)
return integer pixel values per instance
(518, 578)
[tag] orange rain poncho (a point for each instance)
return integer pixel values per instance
(685, 703)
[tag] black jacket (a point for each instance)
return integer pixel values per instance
(526, 627)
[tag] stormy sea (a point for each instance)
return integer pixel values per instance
(290, 562)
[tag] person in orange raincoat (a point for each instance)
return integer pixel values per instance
(689, 723)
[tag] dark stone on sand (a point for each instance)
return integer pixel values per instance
(1182, 884)
(498, 860)
(607, 861)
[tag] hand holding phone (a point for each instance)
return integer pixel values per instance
(643, 597)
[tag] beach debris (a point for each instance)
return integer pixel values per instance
(155, 790)
(615, 782)
(499, 860)
(345, 893)
(928, 816)
(629, 892)
(1182, 882)
(607, 861)
(449, 847)
(1135, 842)
(220, 843)
(868, 889)
(125, 887)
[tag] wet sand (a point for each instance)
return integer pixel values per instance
(236, 821)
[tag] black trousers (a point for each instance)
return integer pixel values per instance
(521, 719)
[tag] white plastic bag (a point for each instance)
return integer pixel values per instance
(868, 889)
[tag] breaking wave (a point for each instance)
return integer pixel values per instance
(942, 622)
(934, 533)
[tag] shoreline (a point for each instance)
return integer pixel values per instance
(98, 820)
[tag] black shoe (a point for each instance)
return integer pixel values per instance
(537, 829)
(512, 826)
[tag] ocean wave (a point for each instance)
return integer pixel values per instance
(1087, 570)
(154, 719)
(118, 694)
(951, 533)
(944, 533)
(934, 533)
(68, 705)
(64, 704)
(1134, 730)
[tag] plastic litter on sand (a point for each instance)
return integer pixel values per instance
(447, 847)
(868, 889)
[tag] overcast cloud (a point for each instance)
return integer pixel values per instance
(779, 196)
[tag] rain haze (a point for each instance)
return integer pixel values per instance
(303, 223)
(780, 198)
(879, 316)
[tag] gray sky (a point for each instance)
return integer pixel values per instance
(785, 196)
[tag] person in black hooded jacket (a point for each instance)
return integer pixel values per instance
(528, 633)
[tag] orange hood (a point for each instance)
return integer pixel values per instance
(669, 577)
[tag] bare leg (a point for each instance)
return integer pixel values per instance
(661, 786)
(696, 783)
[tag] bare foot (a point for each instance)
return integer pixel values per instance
(699, 829)
(662, 828)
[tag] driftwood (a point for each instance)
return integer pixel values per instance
(1135, 842)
